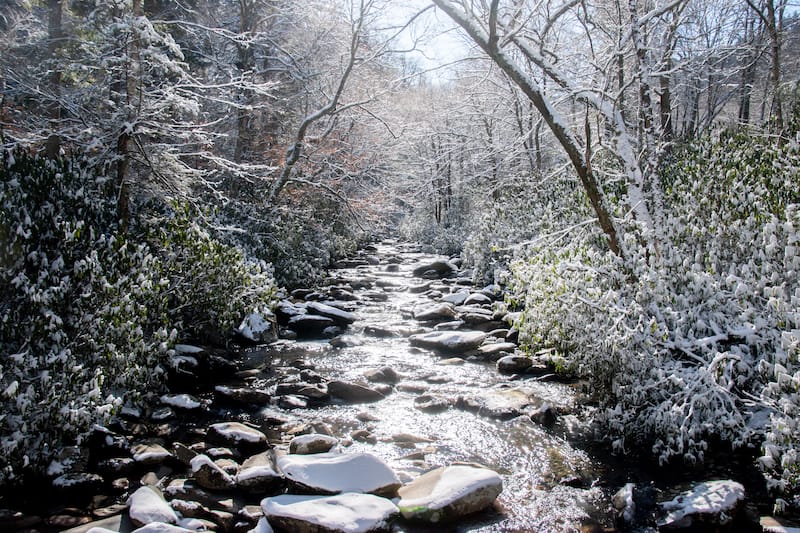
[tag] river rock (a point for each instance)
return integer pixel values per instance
(83, 484)
(334, 473)
(477, 298)
(353, 392)
(185, 489)
(258, 474)
(456, 298)
(242, 395)
(544, 415)
(386, 374)
(236, 435)
(313, 443)
(770, 524)
(449, 493)
(380, 331)
(711, 505)
(429, 403)
(497, 349)
(314, 391)
(513, 364)
(350, 512)
(148, 505)
(341, 318)
(186, 402)
(149, 454)
(435, 312)
(210, 475)
(435, 269)
(500, 404)
(310, 324)
(449, 341)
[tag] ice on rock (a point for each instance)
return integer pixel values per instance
(350, 512)
(333, 473)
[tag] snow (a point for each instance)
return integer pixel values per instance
(331, 312)
(446, 485)
(711, 497)
(198, 461)
(349, 512)
(236, 432)
(336, 472)
(262, 527)
(147, 505)
(160, 527)
(254, 326)
(181, 401)
(256, 472)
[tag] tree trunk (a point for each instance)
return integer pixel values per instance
(55, 32)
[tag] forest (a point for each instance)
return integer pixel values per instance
(627, 171)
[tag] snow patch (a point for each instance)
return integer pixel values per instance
(336, 472)
(354, 513)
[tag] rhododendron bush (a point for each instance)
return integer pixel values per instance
(88, 313)
(692, 337)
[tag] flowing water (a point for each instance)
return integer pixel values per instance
(547, 480)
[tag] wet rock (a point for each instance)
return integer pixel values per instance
(339, 317)
(379, 331)
(418, 289)
(150, 453)
(435, 270)
(116, 466)
(334, 473)
(513, 364)
(353, 392)
(449, 341)
(259, 475)
(712, 505)
(350, 512)
(386, 374)
(242, 395)
(183, 453)
(770, 524)
(236, 435)
(497, 350)
(435, 312)
(500, 404)
(477, 298)
(148, 505)
(392, 267)
(544, 415)
(314, 391)
(210, 475)
(184, 489)
(364, 435)
(308, 325)
(449, 493)
(312, 443)
(453, 361)
(449, 326)
(291, 401)
(429, 403)
(456, 298)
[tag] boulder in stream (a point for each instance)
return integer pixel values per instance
(449, 341)
(258, 474)
(335, 473)
(435, 269)
(312, 443)
(449, 493)
(353, 392)
(236, 435)
(310, 325)
(435, 312)
(340, 317)
(512, 364)
(350, 512)
(711, 506)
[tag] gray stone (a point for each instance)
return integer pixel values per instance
(383, 375)
(429, 403)
(312, 443)
(512, 364)
(353, 392)
(477, 298)
(449, 341)
(242, 395)
(436, 312)
(258, 474)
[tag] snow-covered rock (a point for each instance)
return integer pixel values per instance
(147, 505)
(258, 474)
(181, 401)
(235, 434)
(262, 526)
(147, 453)
(334, 473)
(209, 475)
(477, 298)
(310, 324)
(449, 341)
(340, 317)
(624, 504)
(313, 443)
(257, 326)
(349, 512)
(712, 502)
(160, 527)
(456, 298)
(449, 492)
(242, 395)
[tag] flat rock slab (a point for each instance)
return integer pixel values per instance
(350, 512)
(713, 503)
(334, 473)
(450, 492)
(449, 341)
(342, 318)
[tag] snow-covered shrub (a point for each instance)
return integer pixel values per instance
(686, 346)
(87, 313)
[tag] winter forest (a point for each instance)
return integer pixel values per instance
(179, 179)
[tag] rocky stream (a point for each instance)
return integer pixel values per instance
(393, 398)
